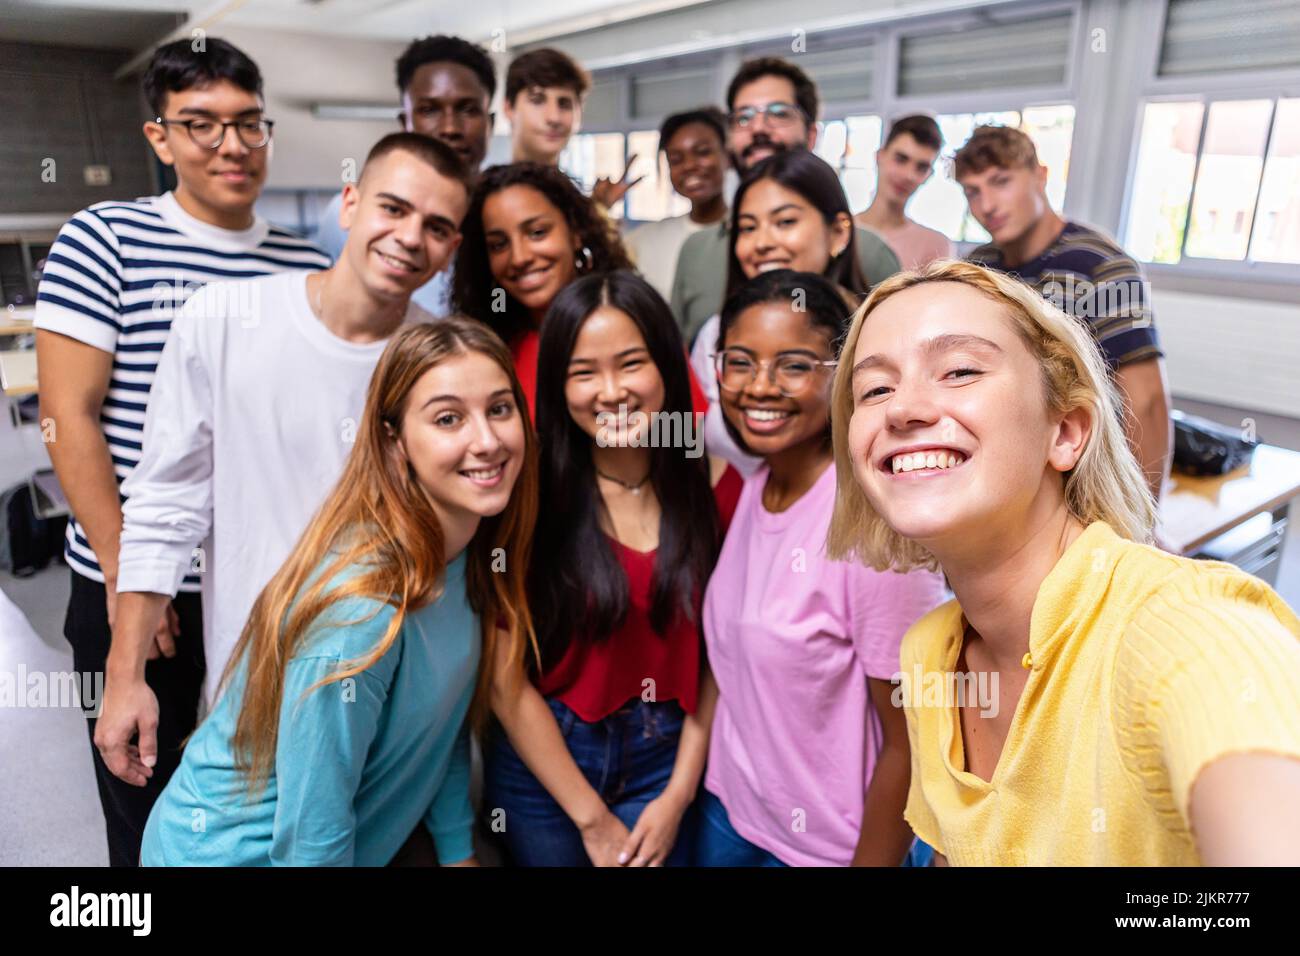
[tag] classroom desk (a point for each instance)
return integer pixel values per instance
(17, 320)
(18, 372)
(1240, 516)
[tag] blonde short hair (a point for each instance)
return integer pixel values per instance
(1106, 484)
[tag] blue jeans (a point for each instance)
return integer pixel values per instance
(627, 757)
(718, 844)
(921, 854)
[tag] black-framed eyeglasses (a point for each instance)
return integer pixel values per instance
(778, 114)
(791, 373)
(211, 133)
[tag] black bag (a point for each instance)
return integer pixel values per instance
(27, 543)
(1203, 447)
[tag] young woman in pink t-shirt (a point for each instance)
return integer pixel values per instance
(808, 760)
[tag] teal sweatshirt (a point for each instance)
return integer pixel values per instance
(358, 763)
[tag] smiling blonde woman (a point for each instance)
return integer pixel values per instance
(1144, 708)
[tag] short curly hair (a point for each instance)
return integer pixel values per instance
(1003, 147)
(446, 49)
(473, 284)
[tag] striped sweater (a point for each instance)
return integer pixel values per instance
(1088, 276)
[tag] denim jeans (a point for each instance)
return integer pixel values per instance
(627, 757)
(718, 844)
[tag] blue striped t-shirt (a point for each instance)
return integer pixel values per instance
(114, 278)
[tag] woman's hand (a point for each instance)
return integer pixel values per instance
(604, 838)
(655, 832)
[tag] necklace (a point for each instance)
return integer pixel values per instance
(634, 488)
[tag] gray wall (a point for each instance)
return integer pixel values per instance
(62, 103)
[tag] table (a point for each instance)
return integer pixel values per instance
(18, 372)
(17, 320)
(1239, 517)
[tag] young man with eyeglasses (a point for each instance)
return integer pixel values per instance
(446, 86)
(115, 277)
(772, 105)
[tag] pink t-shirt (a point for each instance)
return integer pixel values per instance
(791, 639)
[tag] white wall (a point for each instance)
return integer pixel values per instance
(1233, 351)
(299, 69)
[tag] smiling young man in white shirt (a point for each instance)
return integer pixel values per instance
(255, 406)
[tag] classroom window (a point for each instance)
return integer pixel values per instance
(849, 145)
(590, 156)
(1217, 182)
(1277, 213)
(653, 198)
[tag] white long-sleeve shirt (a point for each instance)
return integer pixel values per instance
(254, 409)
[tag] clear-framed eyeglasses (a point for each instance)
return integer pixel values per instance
(778, 114)
(791, 372)
(211, 133)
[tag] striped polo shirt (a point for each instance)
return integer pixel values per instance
(114, 278)
(1088, 276)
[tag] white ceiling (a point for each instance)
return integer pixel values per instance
(135, 24)
(86, 25)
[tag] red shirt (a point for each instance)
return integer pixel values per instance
(524, 349)
(596, 679)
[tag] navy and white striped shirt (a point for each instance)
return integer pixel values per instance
(114, 278)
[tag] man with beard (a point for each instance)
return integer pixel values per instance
(771, 105)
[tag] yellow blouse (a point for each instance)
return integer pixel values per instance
(1145, 667)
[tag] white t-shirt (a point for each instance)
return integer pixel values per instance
(655, 245)
(254, 409)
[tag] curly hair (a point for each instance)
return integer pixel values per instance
(446, 49)
(473, 285)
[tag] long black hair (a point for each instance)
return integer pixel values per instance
(811, 295)
(577, 590)
(474, 290)
(812, 178)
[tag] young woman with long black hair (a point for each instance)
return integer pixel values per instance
(528, 233)
(604, 742)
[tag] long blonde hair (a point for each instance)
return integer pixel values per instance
(1106, 484)
(379, 517)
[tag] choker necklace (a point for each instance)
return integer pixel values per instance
(634, 488)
